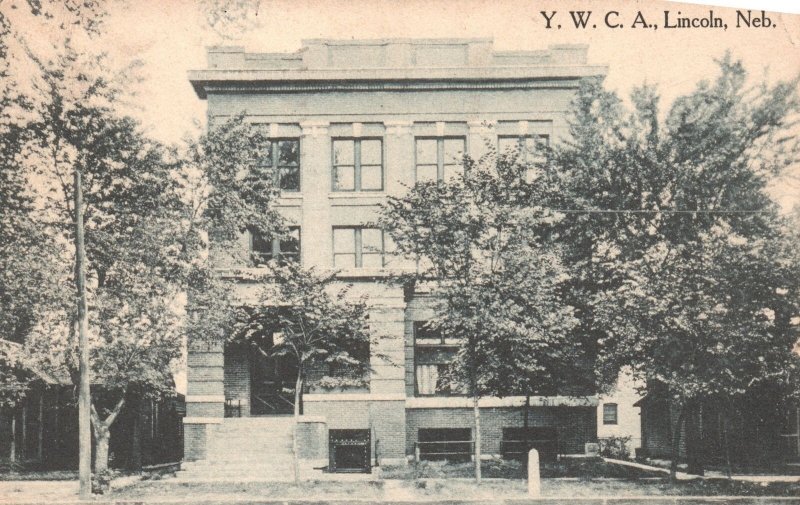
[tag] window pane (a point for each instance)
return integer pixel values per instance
(289, 178)
(289, 152)
(344, 178)
(610, 413)
(371, 177)
(426, 151)
(260, 247)
(427, 377)
(371, 152)
(260, 244)
(344, 240)
(371, 240)
(425, 334)
(290, 245)
(390, 254)
(372, 260)
(426, 173)
(343, 152)
(344, 260)
(453, 150)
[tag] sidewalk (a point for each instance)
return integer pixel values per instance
(708, 474)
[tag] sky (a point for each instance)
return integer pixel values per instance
(170, 38)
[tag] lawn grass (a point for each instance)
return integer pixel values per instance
(508, 469)
(449, 484)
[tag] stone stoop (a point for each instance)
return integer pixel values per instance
(246, 449)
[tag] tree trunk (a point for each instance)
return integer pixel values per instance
(526, 424)
(102, 435)
(694, 439)
(676, 444)
(295, 456)
(726, 443)
(12, 451)
(24, 425)
(136, 445)
(40, 431)
(477, 451)
(84, 382)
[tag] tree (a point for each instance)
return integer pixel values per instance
(686, 272)
(309, 320)
(486, 244)
(133, 216)
(148, 209)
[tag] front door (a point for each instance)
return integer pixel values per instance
(272, 381)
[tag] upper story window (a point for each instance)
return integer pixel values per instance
(286, 248)
(358, 248)
(438, 159)
(528, 147)
(357, 165)
(283, 156)
(609, 413)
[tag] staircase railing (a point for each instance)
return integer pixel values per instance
(273, 402)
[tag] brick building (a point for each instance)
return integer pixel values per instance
(352, 122)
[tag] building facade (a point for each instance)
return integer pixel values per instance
(351, 122)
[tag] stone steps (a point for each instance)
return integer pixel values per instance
(257, 449)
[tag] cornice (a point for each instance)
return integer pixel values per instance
(203, 88)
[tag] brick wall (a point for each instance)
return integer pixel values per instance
(194, 440)
(388, 421)
(340, 415)
(237, 377)
(576, 425)
(385, 419)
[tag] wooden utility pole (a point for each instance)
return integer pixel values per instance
(84, 398)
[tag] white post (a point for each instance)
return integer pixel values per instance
(534, 484)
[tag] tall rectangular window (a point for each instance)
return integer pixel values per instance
(610, 413)
(432, 355)
(283, 156)
(285, 248)
(529, 148)
(358, 248)
(357, 165)
(438, 159)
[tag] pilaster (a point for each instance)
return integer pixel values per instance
(315, 160)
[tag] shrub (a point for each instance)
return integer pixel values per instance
(615, 447)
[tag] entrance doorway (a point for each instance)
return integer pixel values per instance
(272, 380)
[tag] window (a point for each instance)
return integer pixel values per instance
(609, 413)
(518, 441)
(528, 147)
(438, 159)
(285, 248)
(358, 248)
(432, 355)
(444, 443)
(349, 451)
(357, 165)
(283, 156)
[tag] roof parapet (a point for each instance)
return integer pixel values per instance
(393, 53)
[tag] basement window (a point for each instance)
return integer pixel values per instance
(453, 444)
(349, 451)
